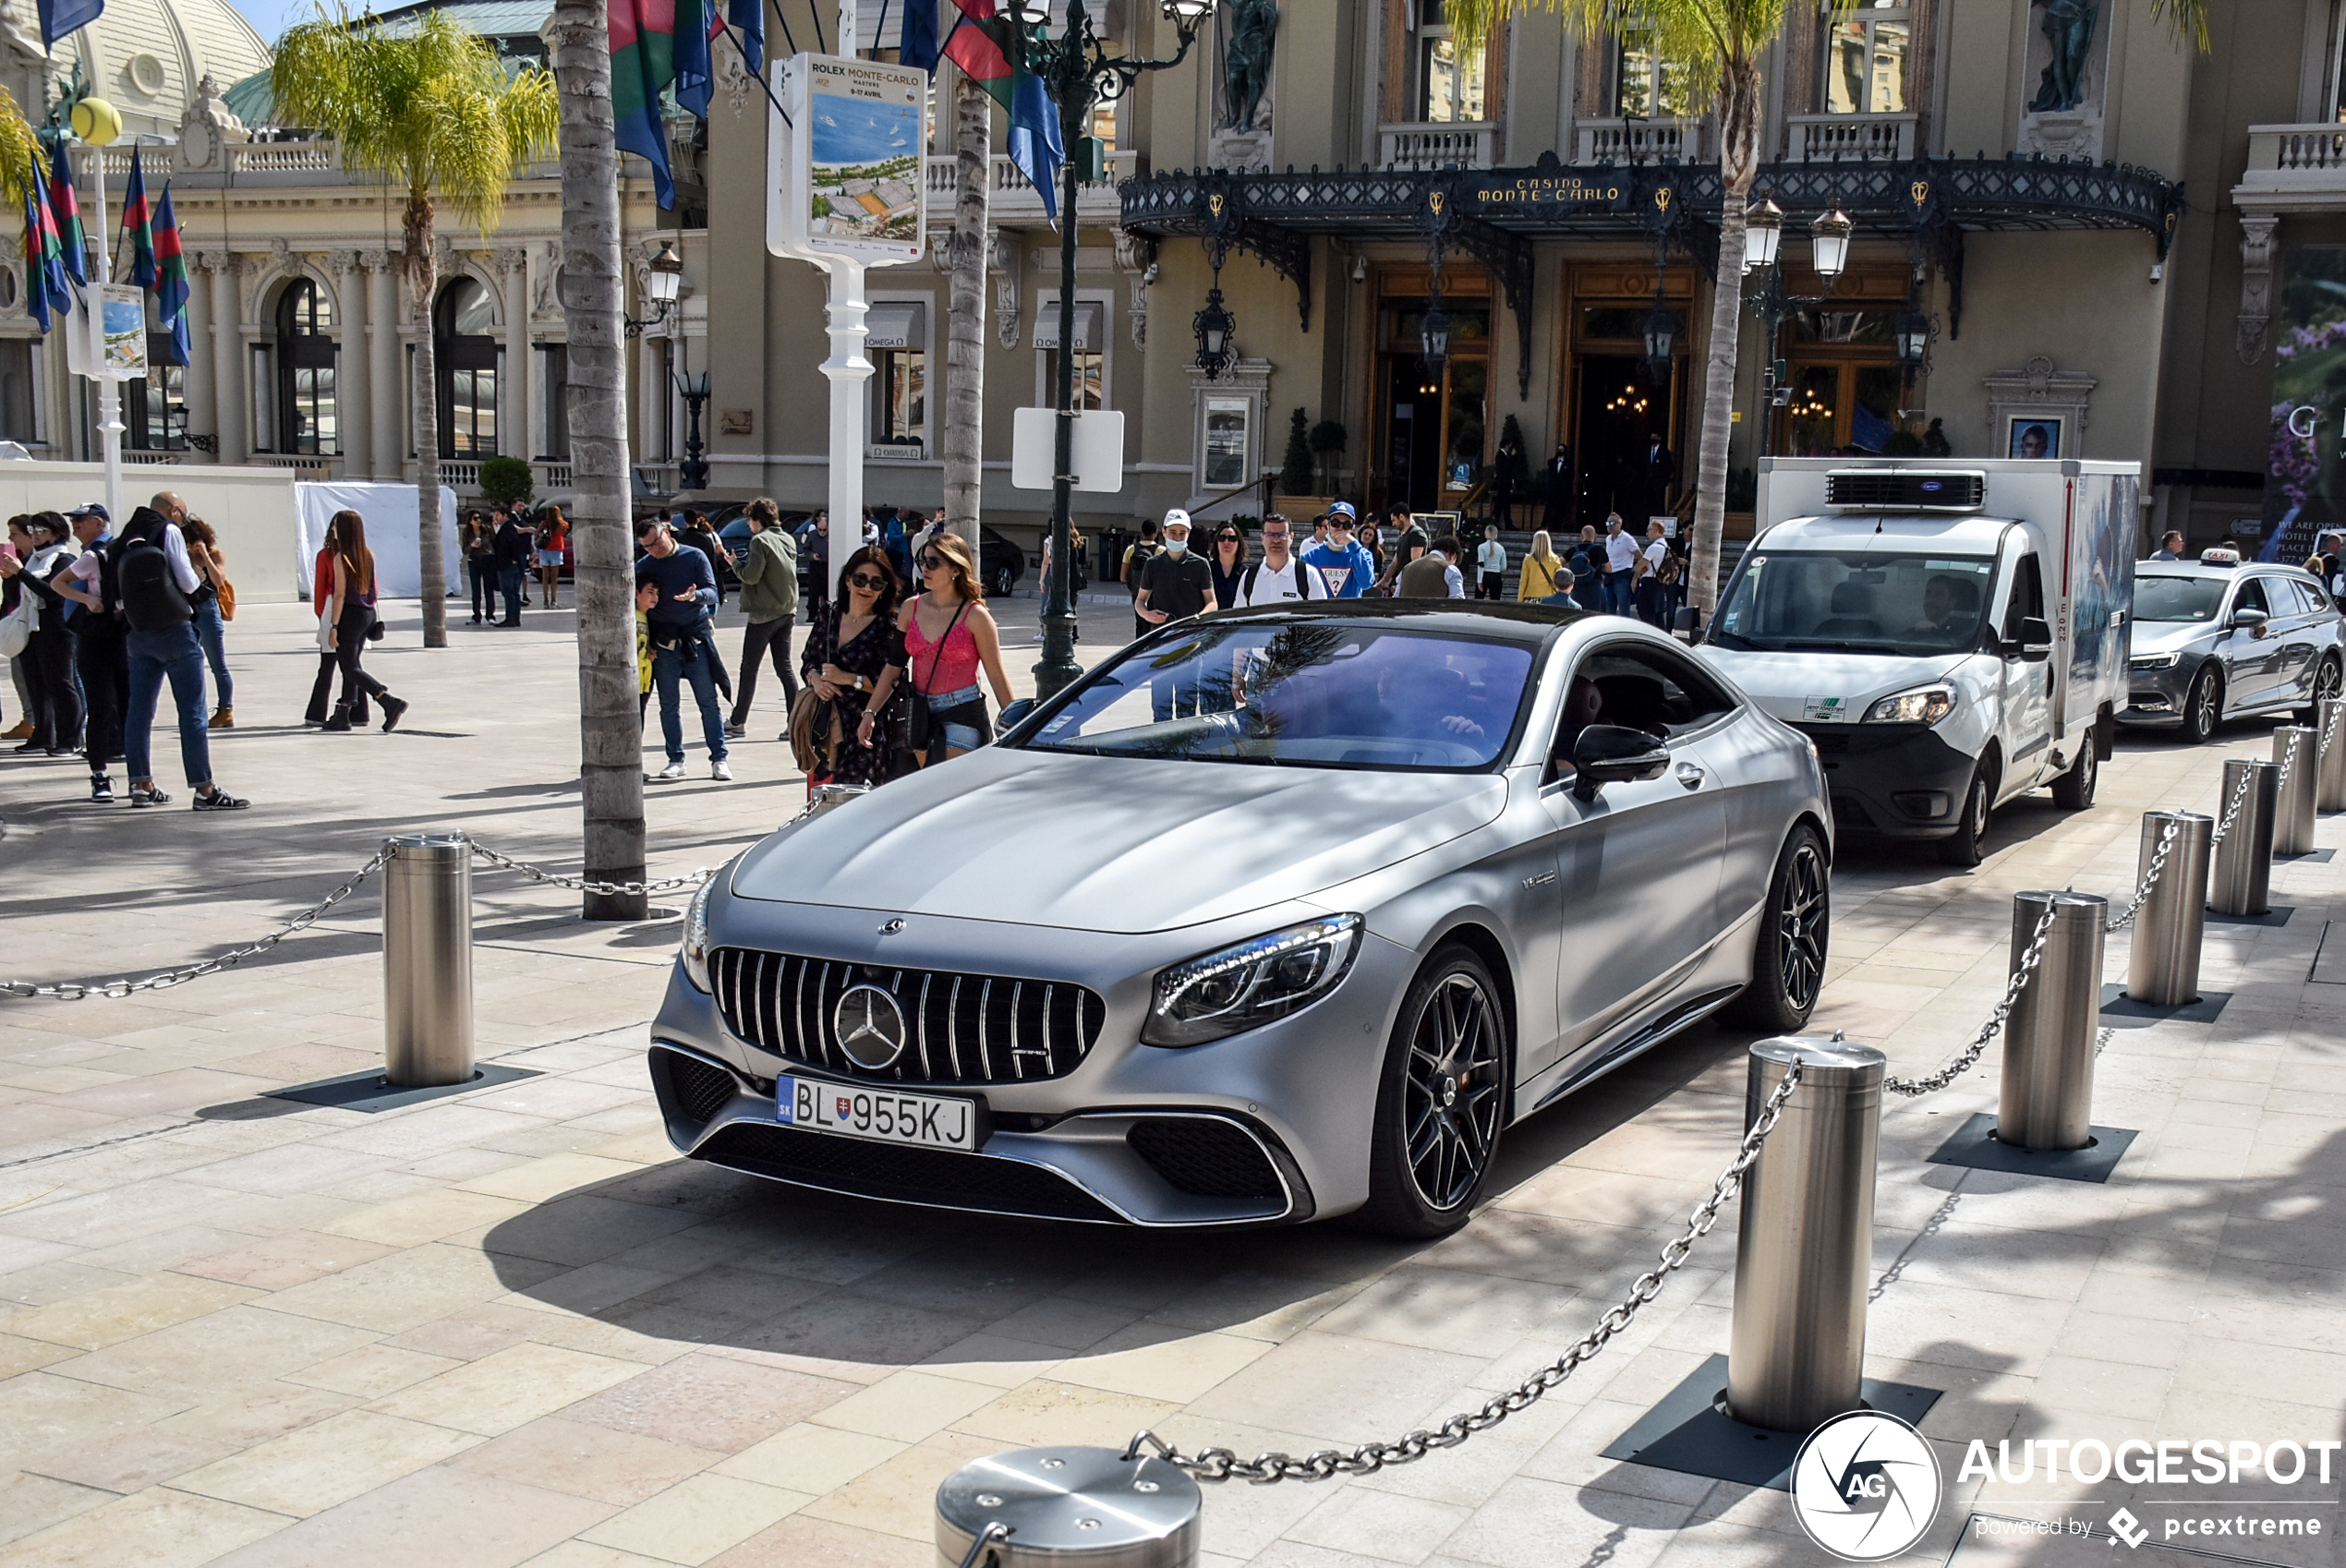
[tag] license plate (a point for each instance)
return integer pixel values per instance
(883, 1116)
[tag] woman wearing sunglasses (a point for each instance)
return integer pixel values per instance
(1228, 563)
(949, 632)
(854, 657)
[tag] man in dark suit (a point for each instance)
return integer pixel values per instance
(1655, 474)
(512, 560)
(1555, 486)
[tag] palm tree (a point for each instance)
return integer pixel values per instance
(610, 725)
(1718, 45)
(432, 106)
(965, 316)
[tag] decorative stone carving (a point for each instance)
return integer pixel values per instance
(1245, 38)
(1007, 261)
(545, 297)
(511, 259)
(2037, 389)
(1136, 258)
(732, 75)
(206, 130)
(2068, 53)
(2256, 233)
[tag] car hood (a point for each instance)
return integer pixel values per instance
(1112, 844)
(1795, 686)
(2170, 637)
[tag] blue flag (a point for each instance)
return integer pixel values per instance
(59, 18)
(1035, 144)
(171, 278)
(748, 17)
(917, 47)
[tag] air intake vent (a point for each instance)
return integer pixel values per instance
(1905, 489)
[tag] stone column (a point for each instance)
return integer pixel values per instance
(386, 363)
(231, 411)
(352, 402)
(203, 416)
(516, 425)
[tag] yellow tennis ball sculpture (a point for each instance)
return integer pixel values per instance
(97, 122)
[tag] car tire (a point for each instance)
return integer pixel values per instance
(1004, 581)
(2329, 676)
(1969, 845)
(1447, 1078)
(2202, 707)
(1795, 930)
(2074, 790)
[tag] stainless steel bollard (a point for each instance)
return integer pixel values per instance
(2243, 877)
(2049, 1038)
(2293, 808)
(2331, 796)
(2162, 966)
(830, 797)
(427, 960)
(1070, 1508)
(1804, 1247)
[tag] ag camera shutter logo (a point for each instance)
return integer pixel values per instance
(1866, 1487)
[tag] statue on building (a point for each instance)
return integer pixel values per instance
(1246, 70)
(2069, 25)
(207, 128)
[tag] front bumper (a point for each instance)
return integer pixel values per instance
(1267, 1126)
(1894, 780)
(2155, 698)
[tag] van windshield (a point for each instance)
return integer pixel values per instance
(1868, 602)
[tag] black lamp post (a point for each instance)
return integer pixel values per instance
(1829, 254)
(1214, 326)
(1078, 72)
(1433, 332)
(693, 472)
(1913, 341)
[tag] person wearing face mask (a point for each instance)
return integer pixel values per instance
(1175, 586)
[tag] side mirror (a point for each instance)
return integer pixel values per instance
(2248, 620)
(1687, 624)
(1607, 754)
(1014, 713)
(2034, 640)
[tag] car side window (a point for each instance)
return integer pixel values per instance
(1635, 687)
(2028, 601)
(2310, 599)
(2251, 596)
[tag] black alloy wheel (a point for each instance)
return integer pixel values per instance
(1796, 933)
(1968, 846)
(2329, 676)
(2202, 707)
(1004, 581)
(1443, 1101)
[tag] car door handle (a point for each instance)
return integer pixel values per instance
(1690, 776)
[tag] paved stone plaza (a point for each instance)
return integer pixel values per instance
(510, 1327)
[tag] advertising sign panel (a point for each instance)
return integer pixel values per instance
(846, 176)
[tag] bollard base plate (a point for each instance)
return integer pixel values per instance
(367, 1091)
(1974, 1145)
(2307, 857)
(2275, 914)
(2123, 1012)
(1690, 1433)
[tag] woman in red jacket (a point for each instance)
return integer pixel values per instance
(321, 591)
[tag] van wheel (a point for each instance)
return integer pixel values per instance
(1443, 1101)
(1795, 929)
(2204, 708)
(1969, 845)
(2074, 790)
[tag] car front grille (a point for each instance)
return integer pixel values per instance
(915, 1175)
(699, 1089)
(1205, 1157)
(958, 1028)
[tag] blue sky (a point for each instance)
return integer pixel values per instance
(856, 130)
(273, 17)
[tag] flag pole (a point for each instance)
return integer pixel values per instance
(109, 388)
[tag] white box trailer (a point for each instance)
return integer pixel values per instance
(1950, 634)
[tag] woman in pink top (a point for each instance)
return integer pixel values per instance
(949, 632)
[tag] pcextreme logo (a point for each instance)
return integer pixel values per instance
(1866, 1486)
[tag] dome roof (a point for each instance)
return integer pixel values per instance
(146, 57)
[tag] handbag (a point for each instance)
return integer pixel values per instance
(374, 624)
(918, 739)
(227, 599)
(16, 628)
(802, 718)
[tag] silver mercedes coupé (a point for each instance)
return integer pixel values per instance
(1277, 914)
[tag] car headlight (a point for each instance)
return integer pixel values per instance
(1249, 984)
(1923, 705)
(694, 950)
(2155, 661)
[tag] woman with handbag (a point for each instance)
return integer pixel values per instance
(949, 632)
(852, 658)
(214, 602)
(352, 622)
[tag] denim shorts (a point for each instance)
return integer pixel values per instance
(550, 558)
(959, 718)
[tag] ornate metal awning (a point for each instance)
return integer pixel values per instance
(1495, 214)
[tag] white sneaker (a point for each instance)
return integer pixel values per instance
(669, 774)
(721, 771)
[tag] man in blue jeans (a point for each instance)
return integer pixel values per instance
(686, 584)
(1621, 558)
(155, 577)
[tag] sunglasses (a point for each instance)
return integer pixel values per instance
(932, 562)
(865, 580)
(1225, 538)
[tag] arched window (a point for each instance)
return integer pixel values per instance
(306, 348)
(462, 327)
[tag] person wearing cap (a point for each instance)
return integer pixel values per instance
(1175, 584)
(1344, 567)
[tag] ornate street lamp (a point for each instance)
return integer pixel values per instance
(1828, 243)
(1078, 72)
(1661, 330)
(1829, 237)
(1433, 333)
(1913, 341)
(1762, 233)
(1214, 326)
(663, 281)
(691, 473)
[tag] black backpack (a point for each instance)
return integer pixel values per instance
(1306, 580)
(152, 597)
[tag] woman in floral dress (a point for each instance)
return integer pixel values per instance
(854, 659)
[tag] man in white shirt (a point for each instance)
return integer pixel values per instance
(1654, 595)
(1492, 560)
(1621, 555)
(1279, 575)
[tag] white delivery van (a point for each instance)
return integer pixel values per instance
(1950, 634)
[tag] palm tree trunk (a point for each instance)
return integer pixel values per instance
(422, 270)
(965, 340)
(1739, 125)
(610, 722)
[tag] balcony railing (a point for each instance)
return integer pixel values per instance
(1639, 141)
(1436, 144)
(1833, 138)
(1010, 198)
(2295, 167)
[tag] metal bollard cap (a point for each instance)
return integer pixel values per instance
(435, 847)
(1821, 1054)
(1090, 1506)
(2069, 906)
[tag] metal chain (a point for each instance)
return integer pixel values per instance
(76, 992)
(2231, 811)
(586, 885)
(2150, 878)
(2029, 955)
(1222, 1463)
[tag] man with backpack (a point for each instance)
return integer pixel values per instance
(1280, 576)
(99, 657)
(153, 578)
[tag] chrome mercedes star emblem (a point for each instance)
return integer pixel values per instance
(892, 927)
(869, 1027)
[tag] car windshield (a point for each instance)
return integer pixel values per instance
(2178, 598)
(1860, 602)
(1312, 694)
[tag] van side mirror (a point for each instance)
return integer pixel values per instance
(2034, 640)
(1608, 753)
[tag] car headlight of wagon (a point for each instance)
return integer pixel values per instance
(1251, 983)
(2155, 661)
(694, 950)
(1923, 705)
